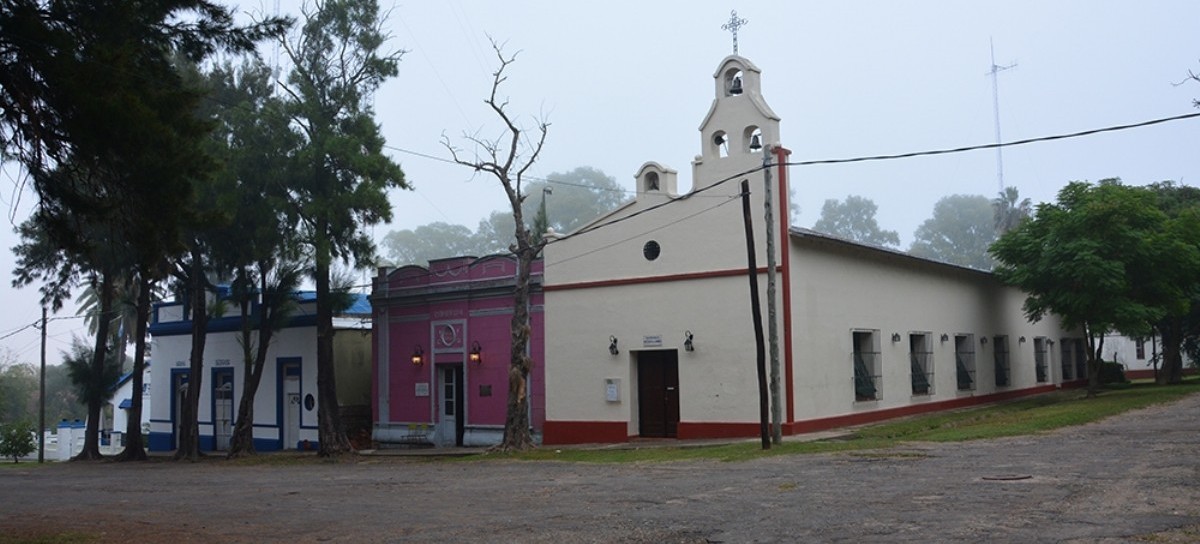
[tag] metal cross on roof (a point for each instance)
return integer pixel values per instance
(733, 25)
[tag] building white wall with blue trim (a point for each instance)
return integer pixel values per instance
(122, 401)
(285, 406)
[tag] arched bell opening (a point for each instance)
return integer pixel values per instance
(733, 82)
(752, 139)
(720, 143)
(652, 181)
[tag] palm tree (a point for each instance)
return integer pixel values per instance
(123, 319)
(1009, 211)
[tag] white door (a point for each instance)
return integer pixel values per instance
(222, 410)
(449, 426)
(181, 387)
(291, 412)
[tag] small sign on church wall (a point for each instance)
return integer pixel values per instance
(422, 389)
(654, 341)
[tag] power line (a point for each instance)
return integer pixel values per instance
(996, 145)
(660, 227)
(670, 201)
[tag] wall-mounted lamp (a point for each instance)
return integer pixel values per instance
(612, 345)
(983, 340)
(476, 354)
(687, 341)
(1021, 340)
(418, 356)
(945, 337)
(895, 337)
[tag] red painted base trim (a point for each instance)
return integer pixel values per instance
(694, 429)
(1148, 373)
(592, 432)
(584, 432)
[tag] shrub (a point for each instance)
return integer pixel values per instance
(1112, 373)
(17, 440)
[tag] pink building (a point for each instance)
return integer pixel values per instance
(441, 352)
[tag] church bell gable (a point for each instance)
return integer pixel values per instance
(739, 123)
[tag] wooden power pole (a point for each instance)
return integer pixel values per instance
(756, 314)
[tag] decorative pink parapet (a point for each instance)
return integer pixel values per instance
(442, 348)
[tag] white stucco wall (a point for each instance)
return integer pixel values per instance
(717, 381)
(223, 350)
(838, 288)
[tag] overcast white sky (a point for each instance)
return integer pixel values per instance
(624, 82)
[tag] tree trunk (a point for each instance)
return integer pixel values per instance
(1093, 365)
(135, 449)
(189, 428)
(241, 444)
(331, 434)
(1172, 364)
(91, 434)
(516, 423)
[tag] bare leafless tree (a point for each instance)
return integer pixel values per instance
(507, 159)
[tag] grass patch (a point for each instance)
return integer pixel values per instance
(1021, 417)
(1028, 416)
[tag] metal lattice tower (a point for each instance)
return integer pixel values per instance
(996, 69)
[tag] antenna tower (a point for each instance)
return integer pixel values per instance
(996, 69)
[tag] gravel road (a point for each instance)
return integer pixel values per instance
(1134, 477)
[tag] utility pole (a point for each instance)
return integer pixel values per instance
(756, 317)
(996, 110)
(42, 396)
(772, 322)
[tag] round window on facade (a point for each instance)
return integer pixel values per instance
(651, 250)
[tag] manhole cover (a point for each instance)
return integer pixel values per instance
(1007, 477)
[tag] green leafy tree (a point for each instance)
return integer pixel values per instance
(1009, 211)
(66, 65)
(564, 202)
(18, 389)
(433, 241)
(93, 385)
(99, 255)
(508, 160)
(255, 143)
(854, 219)
(1180, 329)
(1103, 258)
(17, 440)
(96, 111)
(342, 175)
(959, 232)
(571, 200)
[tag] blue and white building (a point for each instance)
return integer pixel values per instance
(285, 406)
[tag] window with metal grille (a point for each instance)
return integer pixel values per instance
(1067, 359)
(1040, 355)
(920, 354)
(866, 365)
(964, 361)
(1000, 351)
(1080, 358)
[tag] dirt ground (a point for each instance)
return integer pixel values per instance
(1135, 477)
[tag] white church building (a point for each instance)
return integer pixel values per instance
(648, 324)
